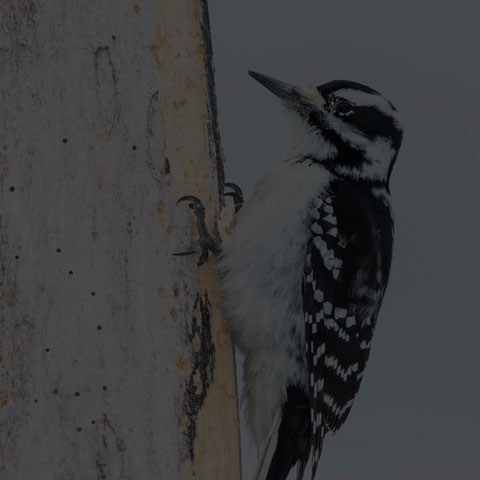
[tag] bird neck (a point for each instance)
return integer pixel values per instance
(341, 172)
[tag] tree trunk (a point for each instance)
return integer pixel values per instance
(115, 362)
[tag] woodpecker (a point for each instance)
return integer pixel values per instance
(304, 272)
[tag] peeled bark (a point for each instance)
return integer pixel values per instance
(115, 362)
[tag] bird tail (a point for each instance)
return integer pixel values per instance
(265, 459)
(289, 441)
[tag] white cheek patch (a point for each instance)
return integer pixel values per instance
(379, 152)
(364, 99)
(347, 132)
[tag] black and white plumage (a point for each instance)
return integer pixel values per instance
(346, 271)
(306, 267)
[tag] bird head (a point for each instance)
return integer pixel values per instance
(348, 127)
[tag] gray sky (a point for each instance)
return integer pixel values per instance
(416, 416)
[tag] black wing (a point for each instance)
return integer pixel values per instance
(346, 272)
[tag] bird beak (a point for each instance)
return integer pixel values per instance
(294, 96)
(281, 89)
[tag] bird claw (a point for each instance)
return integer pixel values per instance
(206, 242)
(237, 195)
(191, 198)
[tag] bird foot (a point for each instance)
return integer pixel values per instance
(206, 242)
(237, 195)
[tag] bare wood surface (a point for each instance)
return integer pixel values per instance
(115, 362)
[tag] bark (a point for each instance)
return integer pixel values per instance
(115, 362)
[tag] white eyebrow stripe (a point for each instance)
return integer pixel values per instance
(368, 99)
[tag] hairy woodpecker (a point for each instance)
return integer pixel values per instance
(306, 267)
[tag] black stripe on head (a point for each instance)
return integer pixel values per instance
(374, 123)
(349, 156)
(330, 87)
(346, 153)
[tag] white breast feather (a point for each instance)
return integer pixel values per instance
(262, 264)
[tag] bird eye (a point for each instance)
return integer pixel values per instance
(343, 108)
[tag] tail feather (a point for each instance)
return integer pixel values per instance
(269, 449)
(289, 441)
